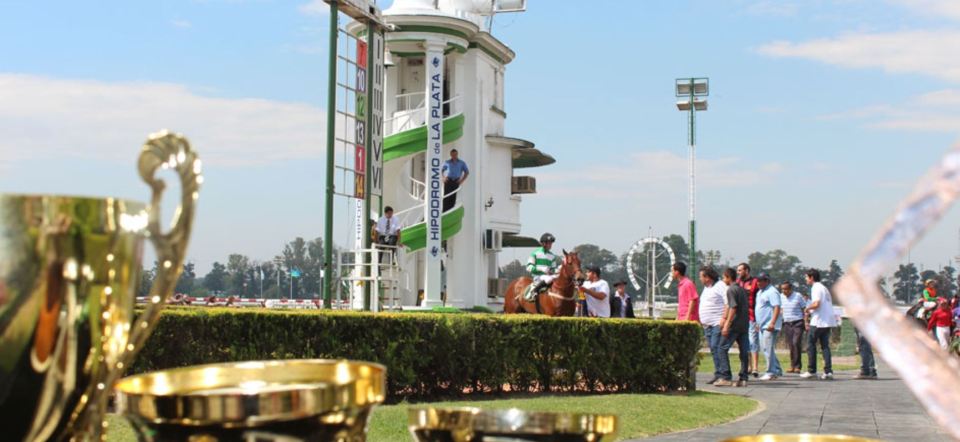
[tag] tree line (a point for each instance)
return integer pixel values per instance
(295, 272)
(905, 285)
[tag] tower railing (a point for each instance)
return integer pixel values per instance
(414, 215)
(411, 101)
(417, 117)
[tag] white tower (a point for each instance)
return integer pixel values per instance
(445, 67)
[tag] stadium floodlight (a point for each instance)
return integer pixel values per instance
(690, 90)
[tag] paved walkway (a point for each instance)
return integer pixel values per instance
(882, 409)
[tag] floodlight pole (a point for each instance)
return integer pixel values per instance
(691, 94)
(693, 188)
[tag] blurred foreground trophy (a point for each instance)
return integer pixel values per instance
(69, 270)
(476, 425)
(270, 401)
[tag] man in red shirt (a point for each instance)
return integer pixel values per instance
(688, 308)
(749, 284)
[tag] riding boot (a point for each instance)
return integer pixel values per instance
(537, 287)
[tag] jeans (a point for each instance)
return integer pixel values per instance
(743, 343)
(754, 333)
(794, 338)
(819, 335)
(713, 337)
(768, 341)
(868, 365)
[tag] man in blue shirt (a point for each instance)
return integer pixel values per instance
(455, 172)
(770, 321)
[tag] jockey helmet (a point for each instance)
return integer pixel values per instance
(547, 237)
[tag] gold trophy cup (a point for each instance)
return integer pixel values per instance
(267, 401)
(69, 271)
(476, 425)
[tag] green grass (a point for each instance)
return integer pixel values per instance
(640, 414)
(706, 363)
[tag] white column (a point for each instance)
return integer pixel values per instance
(434, 199)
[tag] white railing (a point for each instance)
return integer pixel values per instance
(414, 215)
(378, 268)
(414, 100)
(416, 117)
(418, 189)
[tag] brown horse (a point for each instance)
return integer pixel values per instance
(559, 300)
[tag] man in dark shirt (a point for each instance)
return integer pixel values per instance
(751, 285)
(734, 328)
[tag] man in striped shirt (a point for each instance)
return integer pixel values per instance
(793, 323)
(542, 265)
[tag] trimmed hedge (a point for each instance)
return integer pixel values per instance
(432, 355)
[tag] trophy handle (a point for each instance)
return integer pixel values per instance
(165, 150)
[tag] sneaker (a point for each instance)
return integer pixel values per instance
(712, 381)
(755, 374)
(768, 377)
(862, 376)
(742, 383)
(806, 375)
(826, 377)
(722, 383)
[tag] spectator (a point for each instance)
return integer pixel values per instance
(792, 305)
(868, 365)
(749, 283)
(455, 172)
(770, 321)
(942, 319)
(822, 319)
(597, 291)
(620, 304)
(687, 298)
(734, 328)
(712, 302)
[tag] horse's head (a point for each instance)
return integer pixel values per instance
(571, 265)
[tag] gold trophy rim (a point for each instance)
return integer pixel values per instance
(224, 394)
(511, 420)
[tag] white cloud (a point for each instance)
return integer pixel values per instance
(931, 53)
(179, 23)
(937, 111)
(315, 7)
(43, 117)
(650, 173)
(936, 8)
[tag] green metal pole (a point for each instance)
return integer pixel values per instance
(693, 145)
(331, 129)
(371, 28)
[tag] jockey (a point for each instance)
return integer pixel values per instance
(543, 265)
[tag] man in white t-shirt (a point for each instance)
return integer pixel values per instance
(822, 318)
(713, 300)
(597, 291)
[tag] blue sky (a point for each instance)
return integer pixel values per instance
(822, 114)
